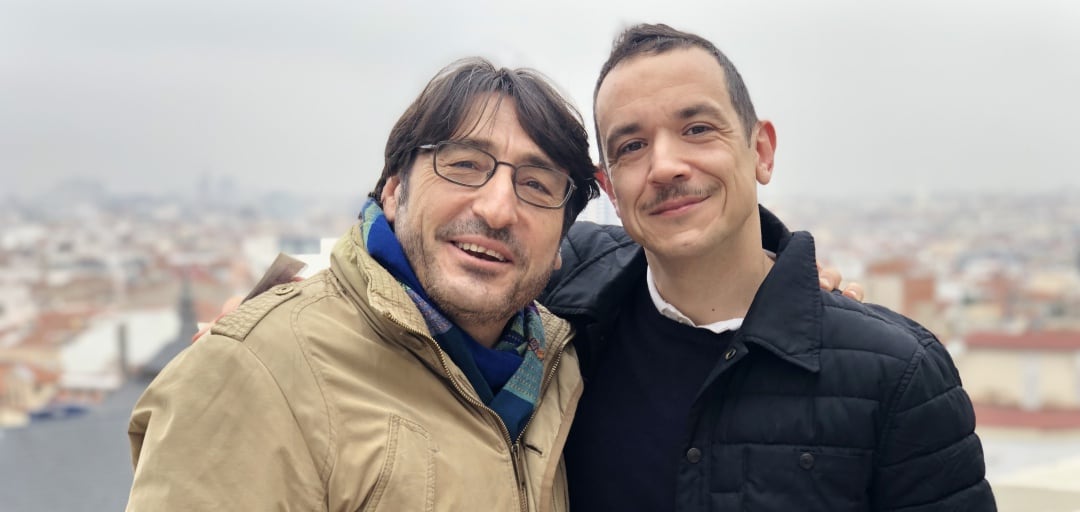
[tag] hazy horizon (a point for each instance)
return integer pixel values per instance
(868, 98)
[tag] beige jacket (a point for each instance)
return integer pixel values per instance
(330, 394)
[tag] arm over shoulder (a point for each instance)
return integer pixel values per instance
(929, 457)
(215, 432)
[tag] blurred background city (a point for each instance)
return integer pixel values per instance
(155, 158)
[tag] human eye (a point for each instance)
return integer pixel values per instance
(541, 185)
(698, 129)
(626, 153)
(629, 147)
(463, 163)
(535, 185)
(537, 180)
(460, 159)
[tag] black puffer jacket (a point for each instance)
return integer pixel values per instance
(825, 404)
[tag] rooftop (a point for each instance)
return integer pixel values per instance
(1031, 340)
(1015, 417)
(79, 462)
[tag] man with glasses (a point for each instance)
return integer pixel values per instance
(416, 373)
(466, 164)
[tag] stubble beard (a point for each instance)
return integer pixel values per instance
(470, 303)
(486, 308)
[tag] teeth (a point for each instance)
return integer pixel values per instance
(480, 250)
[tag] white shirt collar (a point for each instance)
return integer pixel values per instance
(665, 308)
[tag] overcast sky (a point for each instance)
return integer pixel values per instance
(868, 97)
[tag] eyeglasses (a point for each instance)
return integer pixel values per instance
(473, 167)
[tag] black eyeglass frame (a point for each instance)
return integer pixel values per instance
(434, 148)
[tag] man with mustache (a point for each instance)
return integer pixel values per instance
(416, 373)
(718, 376)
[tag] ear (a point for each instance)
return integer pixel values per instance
(765, 147)
(604, 180)
(389, 198)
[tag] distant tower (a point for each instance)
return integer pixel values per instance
(1078, 255)
(1076, 245)
(203, 188)
(186, 309)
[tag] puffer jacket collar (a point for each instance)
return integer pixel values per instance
(602, 265)
(788, 324)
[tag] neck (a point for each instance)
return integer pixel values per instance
(485, 332)
(714, 286)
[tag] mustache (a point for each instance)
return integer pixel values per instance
(675, 191)
(475, 226)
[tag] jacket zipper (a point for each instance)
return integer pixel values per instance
(515, 451)
(519, 458)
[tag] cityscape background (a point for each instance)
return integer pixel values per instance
(155, 158)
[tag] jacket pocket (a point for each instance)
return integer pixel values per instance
(407, 478)
(810, 479)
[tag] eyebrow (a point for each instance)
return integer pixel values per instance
(531, 158)
(700, 109)
(684, 113)
(619, 132)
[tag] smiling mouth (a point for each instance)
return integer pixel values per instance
(480, 252)
(678, 204)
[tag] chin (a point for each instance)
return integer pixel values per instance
(680, 245)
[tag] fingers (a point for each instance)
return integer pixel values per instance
(829, 278)
(854, 291)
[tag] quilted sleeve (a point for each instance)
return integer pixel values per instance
(929, 458)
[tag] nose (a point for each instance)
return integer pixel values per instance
(495, 202)
(667, 160)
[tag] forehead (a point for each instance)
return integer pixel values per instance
(667, 80)
(491, 116)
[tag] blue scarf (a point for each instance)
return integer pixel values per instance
(508, 377)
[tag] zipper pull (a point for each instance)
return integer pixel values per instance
(519, 471)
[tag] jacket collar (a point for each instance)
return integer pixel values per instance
(601, 265)
(372, 287)
(368, 282)
(785, 316)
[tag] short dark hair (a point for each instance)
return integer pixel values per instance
(658, 39)
(449, 98)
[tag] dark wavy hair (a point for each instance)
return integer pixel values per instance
(450, 97)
